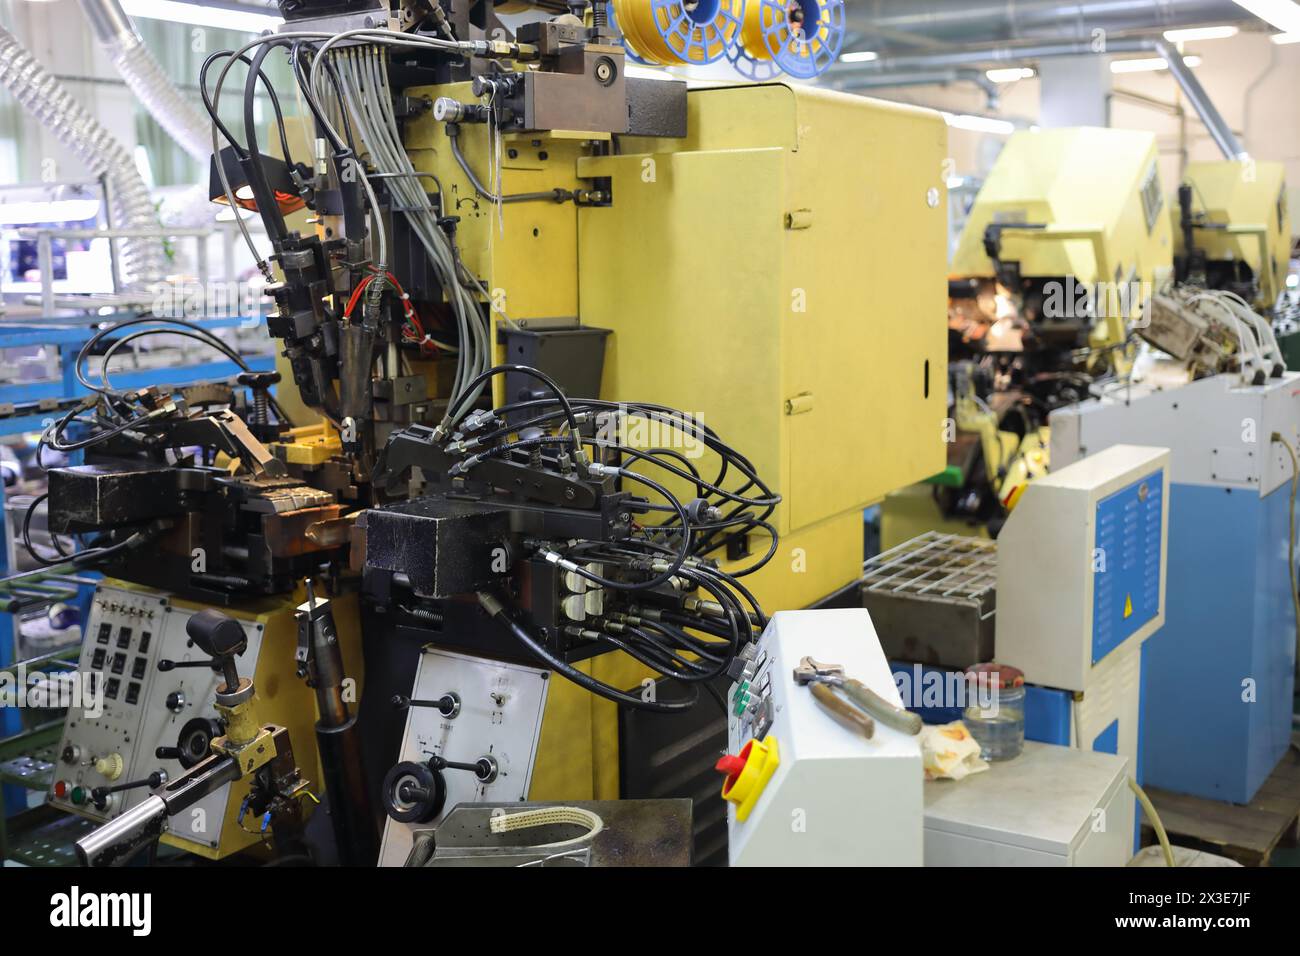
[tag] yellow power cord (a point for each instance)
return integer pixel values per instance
(1147, 806)
(1149, 809)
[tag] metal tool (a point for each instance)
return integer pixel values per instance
(862, 705)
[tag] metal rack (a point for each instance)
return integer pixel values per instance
(941, 566)
(933, 599)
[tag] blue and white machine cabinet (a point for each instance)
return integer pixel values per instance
(1219, 675)
(1081, 586)
(1081, 566)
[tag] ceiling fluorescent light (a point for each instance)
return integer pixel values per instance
(1193, 34)
(1010, 74)
(1148, 65)
(980, 124)
(1283, 14)
(219, 18)
(859, 56)
(1283, 38)
(56, 210)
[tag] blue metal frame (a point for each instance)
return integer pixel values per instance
(70, 339)
(1221, 670)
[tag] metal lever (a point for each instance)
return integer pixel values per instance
(168, 665)
(99, 795)
(448, 704)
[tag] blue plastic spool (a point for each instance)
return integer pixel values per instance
(756, 71)
(804, 53)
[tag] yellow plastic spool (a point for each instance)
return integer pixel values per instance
(751, 30)
(804, 49)
(666, 33)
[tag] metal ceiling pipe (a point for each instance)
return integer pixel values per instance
(175, 113)
(992, 94)
(1218, 128)
(143, 259)
(972, 21)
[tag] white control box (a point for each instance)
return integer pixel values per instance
(835, 797)
(499, 716)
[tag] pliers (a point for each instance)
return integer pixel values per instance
(862, 705)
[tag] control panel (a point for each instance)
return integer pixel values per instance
(148, 712)
(471, 736)
(803, 785)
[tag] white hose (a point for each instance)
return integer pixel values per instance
(45, 98)
(175, 113)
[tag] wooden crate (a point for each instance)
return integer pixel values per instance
(1247, 834)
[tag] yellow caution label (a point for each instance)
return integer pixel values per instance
(1128, 606)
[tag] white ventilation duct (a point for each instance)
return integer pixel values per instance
(175, 113)
(927, 22)
(142, 259)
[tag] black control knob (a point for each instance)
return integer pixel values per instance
(414, 792)
(175, 702)
(194, 742)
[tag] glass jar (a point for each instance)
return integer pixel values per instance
(995, 710)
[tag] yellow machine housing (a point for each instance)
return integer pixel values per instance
(1098, 193)
(1248, 197)
(777, 273)
(283, 698)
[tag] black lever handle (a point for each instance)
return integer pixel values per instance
(222, 638)
(448, 704)
(100, 794)
(169, 665)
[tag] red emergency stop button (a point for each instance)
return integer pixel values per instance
(730, 765)
(748, 773)
(61, 789)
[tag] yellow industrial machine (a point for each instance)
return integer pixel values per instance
(1066, 241)
(1071, 204)
(515, 242)
(742, 228)
(1232, 229)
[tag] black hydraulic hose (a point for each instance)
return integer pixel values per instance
(270, 91)
(267, 207)
(663, 577)
(497, 611)
(454, 412)
(27, 536)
